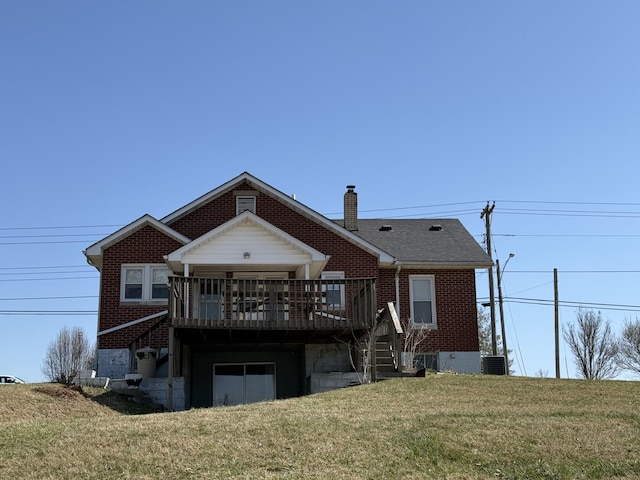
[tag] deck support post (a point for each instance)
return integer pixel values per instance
(170, 370)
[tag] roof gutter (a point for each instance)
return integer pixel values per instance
(399, 267)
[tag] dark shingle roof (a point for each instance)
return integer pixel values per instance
(440, 242)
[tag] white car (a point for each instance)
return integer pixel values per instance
(10, 379)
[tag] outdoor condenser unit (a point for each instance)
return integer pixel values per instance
(494, 365)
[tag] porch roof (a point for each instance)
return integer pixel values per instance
(248, 242)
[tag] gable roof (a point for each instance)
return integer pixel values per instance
(94, 252)
(383, 256)
(409, 242)
(435, 243)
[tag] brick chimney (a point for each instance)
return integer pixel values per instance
(351, 209)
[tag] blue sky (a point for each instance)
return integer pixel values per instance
(110, 110)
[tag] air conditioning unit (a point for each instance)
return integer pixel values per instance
(494, 365)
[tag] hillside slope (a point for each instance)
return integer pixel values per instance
(441, 426)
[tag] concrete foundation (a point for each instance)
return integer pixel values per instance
(459, 362)
(113, 363)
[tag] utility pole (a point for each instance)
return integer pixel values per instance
(502, 325)
(556, 320)
(486, 214)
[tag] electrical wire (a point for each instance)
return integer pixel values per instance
(48, 312)
(19, 299)
(568, 303)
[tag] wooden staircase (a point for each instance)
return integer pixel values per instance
(387, 360)
(384, 357)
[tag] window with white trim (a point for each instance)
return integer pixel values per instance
(144, 283)
(423, 305)
(244, 203)
(333, 292)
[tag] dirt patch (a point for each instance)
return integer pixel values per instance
(61, 391)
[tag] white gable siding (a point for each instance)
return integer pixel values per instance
(229, 247)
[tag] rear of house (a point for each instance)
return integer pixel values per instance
(246, 294)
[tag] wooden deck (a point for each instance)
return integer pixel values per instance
(196, 302)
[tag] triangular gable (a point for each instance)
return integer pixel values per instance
(248, 240)
(94, 252)
(383, 257)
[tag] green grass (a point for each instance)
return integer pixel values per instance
(441, 426)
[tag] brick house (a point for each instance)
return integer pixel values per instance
(246, 294)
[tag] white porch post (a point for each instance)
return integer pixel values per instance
(186, 291)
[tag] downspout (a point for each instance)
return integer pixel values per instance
(399, 344)
(398, 289)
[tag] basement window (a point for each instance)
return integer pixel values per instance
(427, 361)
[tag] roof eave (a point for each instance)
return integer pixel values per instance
(94, 252)
(413, 264)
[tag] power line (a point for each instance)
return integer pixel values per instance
(572, 235)
(48, 312)
(548, 202)
(44, 266)
(48, 243)
(574, 271)
(59, 227)
(57, 235)
(46, 298)
(44, 279)
(542, 211)
(44, 273)
(568, 303)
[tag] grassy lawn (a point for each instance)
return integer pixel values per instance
(442, 426)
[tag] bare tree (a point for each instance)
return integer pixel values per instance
(593, 345)
(629, 344)
(414, 338)
(484, 332)
(67, 355)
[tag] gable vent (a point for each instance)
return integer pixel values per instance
(435, 228)
(386, 228)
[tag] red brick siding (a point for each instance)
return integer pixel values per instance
(457, 328)
(455, 289)
(147, 245)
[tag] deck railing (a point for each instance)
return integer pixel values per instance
(197, 302)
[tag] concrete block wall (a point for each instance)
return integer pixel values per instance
(113, 362)
(157, 390)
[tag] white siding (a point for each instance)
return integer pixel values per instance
(229, 248)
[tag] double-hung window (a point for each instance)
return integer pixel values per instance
(144, 283)
(423, 305)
